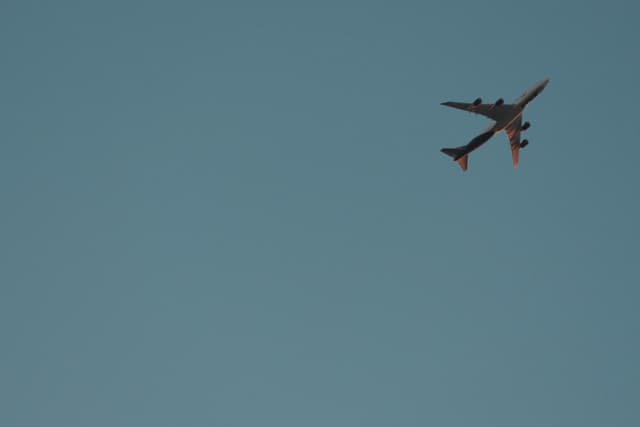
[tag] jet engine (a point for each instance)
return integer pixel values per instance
(500, 101)
(477, 102)
(525, 126)
(524, 143)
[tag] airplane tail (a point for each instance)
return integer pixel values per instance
(459, 155)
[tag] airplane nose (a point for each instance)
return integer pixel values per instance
(545, 82)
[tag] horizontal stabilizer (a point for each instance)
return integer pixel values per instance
(456, 153)
(463, 161)
(459, 154)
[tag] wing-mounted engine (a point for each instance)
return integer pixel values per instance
(524, 143)
(477, 102)
(525, 126)
(499, 102)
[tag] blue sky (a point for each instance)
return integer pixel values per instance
(237, 214)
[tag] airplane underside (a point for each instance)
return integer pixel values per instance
(507, 117)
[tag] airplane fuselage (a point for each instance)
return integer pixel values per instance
(530, 94)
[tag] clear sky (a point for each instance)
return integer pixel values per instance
(236, 214)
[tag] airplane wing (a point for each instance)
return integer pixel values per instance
(513, 132)
(494, 112)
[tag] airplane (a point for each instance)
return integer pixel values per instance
(507, 117)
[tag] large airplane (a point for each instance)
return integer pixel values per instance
(507, 117)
